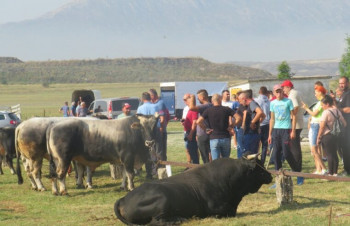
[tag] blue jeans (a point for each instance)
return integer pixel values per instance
(192, 148)
(251, 143)
(220, 148)
(264, 135)
(239, 138)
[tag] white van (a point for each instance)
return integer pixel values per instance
(112, 107)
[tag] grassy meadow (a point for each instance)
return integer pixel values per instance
(315, 203)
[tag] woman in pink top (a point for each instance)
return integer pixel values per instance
(328, 140)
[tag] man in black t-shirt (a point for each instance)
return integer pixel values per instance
(220, 128)
(252, 117)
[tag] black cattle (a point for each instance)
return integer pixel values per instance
(7, 147)
(93, 143)
(213, 189)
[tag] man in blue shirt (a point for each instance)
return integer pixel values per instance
(162, 136)
(148, 108)
(282, 128)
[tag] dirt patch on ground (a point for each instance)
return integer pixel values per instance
(12, 206)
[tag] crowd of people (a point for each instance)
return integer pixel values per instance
(272, 121)
(77, 109)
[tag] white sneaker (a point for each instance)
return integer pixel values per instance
(324, 172)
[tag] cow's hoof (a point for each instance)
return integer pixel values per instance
(64, 193)
(55, 193)
(42, 189)
(88, 186)
(34, 188)
(80, 186)
(1, 173)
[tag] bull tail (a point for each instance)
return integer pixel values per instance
(52, 165)
(118, 214)
(18, 154)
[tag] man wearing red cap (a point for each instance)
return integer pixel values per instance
(294, 96)
(126, 111)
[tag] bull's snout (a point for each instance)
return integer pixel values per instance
(149, 143)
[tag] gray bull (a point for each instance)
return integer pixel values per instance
(93, 143)
(30, 142)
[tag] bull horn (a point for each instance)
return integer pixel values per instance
(253, 156)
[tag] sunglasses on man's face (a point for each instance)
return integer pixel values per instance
(278, 91)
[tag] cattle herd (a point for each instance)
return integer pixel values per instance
(212, 189)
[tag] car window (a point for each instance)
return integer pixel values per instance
(2, 116)
(91, 107)
(103, 105)
(118, 104)
(13, 116)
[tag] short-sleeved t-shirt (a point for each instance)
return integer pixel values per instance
(329, 119)
(65, 110)
(201, 109)
(251, 112)
(240, 111)
(316, 118)
(218, 118)
(227, 104)
(190, 117)
(345, 102)
(294, 96)
(281, 110)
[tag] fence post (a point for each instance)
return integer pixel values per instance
(284, 189)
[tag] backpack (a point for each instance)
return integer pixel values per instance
(338, 126)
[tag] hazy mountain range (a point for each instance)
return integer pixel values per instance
(220, 30)
(298, 67)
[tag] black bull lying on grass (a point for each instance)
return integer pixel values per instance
(93, 143)
(213, 189)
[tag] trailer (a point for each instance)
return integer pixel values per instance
(173, 92)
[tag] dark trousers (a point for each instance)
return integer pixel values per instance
(281, 144)
(192, 148)
(204, 147)
(264, 135)
(161, 145)
(329, 144)
(346, 150)
(296, 157)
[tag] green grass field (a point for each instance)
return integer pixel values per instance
(19, 205)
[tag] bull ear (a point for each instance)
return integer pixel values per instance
(136, 125)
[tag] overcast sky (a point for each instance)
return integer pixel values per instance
(18, 10)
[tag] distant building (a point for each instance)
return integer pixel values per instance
(304, 84)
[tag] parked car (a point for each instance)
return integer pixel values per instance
(112, 107)
(8, 119)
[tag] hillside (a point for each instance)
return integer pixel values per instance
(124, 70)
(299, 67)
